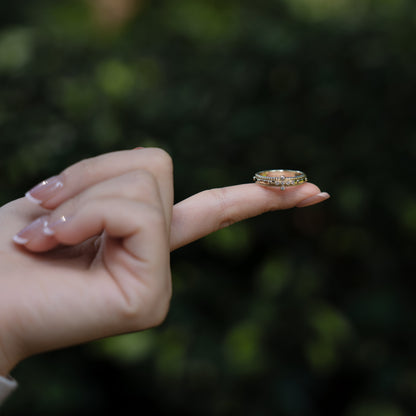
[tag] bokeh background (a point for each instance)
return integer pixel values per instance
(308, 312)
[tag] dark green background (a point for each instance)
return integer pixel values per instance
(308, 312)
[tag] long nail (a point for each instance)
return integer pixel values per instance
(33, 230)
(50, 227)
(45, 190)
(313, 199)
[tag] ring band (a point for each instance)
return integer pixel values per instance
(280, 177)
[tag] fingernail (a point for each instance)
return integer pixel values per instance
(313, 199)
(31, 231)
(45, 190)
(49, 227)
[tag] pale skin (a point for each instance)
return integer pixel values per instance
(98, 262)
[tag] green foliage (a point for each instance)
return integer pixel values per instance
(274, 276)
(231, 240)
(242, 348)
(300, 313)
(375, 409)
(128, 349)
(16, 49)
(331, 330)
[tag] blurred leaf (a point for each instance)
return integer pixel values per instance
(352, 200)
(233, 240)
(243, 348)
(329, 324)
(407, 216)
(349, 240)
(321, 355)
(318, 10)
(77, 96)
(126, 349)
(16, 48)
(115, 78)
(331, 331)
(374, 408)
(106, 131)
(274, 276)
(66, 20)
(204, 20)
(171, 354)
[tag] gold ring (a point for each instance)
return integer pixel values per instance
(280, 177)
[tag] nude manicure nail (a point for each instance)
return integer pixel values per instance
(49, 228)
(313, 199)
(31, 231)
(20, 240)
(45, 190)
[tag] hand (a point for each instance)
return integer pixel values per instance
(94, 259)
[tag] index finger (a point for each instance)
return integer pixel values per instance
(82, 175)
(210, 210)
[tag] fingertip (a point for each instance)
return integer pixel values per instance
(20, 240)
(34, 238)
(36, 245)
(32, 199)
(314, 199)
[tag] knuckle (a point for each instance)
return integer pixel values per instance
(139, 185)
(161, 160)
(161, 302)
(150, 307)
(226, 214)
(218, 195)
(160, 317)
(156, 216)
(81, 169)
(67, 209)
(146, 179)
(160, 311)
